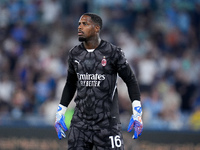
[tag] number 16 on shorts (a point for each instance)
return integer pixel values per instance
(115, 141)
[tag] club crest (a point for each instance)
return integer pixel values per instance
(104, 61)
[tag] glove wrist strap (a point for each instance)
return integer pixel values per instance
(61, 109)
(136, 106)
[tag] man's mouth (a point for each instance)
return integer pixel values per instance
(80, 33)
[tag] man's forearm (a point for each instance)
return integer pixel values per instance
(129, 78)
(69, 89)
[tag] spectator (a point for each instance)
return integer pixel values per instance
(171, 109)
(6, 89)
(50, 11)
(147, 72)
(152, 108)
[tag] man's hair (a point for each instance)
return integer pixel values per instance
(95, 18)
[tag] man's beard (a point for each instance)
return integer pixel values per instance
(82, 39)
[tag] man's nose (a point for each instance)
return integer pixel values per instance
(79, 26)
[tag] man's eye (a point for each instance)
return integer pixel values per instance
(84, 23)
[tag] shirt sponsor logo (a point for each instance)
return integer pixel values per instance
(90, 79)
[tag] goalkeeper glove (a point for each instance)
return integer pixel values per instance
(136, 120)
(60, 125)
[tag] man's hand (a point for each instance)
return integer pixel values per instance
(137, 125)
(60, 125)
(136, 120)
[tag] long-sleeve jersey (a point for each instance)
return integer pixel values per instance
(94, 76)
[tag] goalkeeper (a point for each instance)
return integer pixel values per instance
(93, 68)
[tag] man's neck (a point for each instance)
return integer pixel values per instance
(93, 44)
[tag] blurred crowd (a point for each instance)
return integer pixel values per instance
(160, 39)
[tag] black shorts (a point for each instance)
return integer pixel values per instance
(98, 139)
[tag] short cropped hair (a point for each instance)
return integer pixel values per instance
(95, 18)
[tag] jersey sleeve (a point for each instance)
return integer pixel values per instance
(125, 72)
(70, 85)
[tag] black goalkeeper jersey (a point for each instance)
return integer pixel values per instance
(94, 75)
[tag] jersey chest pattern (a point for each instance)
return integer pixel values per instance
(96, 84)
(93, 68)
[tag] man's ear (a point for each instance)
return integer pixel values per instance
(97, 28)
